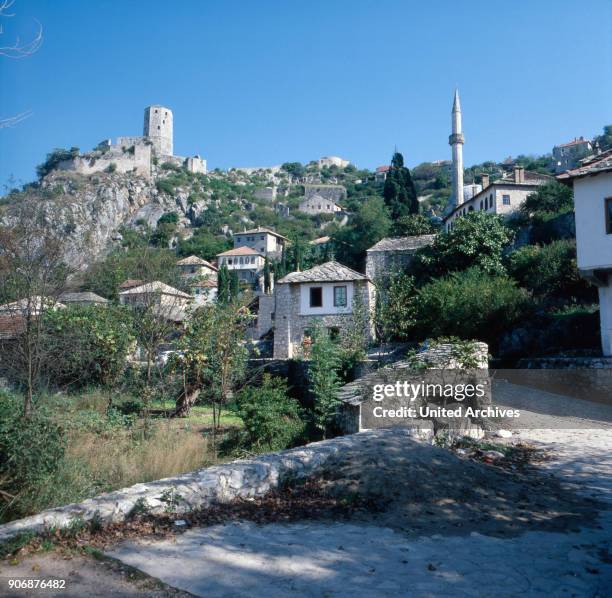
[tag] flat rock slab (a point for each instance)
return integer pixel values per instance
(343, 559)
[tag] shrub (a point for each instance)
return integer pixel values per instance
(272, 420)
(550, 271)
(414, 225)
(54, 158)
(87, 344)
(470, 305)
(550, 198)
(112, 167)
(476, 239)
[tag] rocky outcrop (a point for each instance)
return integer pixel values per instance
(89, 211)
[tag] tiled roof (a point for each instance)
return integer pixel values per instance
(327, 272)
(85, 297)
(383, 169)
(155, 287)
(575, 141)
(592, 165)
(403, 243)
(256, 231)
(240, 251)
(194, 260)
(531, 178)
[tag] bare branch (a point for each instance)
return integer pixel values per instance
(19, 50)
(11, 121)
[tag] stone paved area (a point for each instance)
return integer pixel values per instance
(349, 559)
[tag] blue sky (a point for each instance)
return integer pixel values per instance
(261, 82)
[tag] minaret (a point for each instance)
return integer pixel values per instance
(456, 141)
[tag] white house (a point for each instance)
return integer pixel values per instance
(592, 182)
(264, 240)
(247, 262)
(164, 301)
(504, 196)
(323, 295)
(193, 266)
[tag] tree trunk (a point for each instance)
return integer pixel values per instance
(185, 401)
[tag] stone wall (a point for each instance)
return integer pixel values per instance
(195, 490)
(135, 158)
(335, 193)
(380, 264)
(289, 325)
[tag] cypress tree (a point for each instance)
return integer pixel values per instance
(399, 191)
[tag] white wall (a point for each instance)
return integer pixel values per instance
(262, 242)
(594, 245)
(605, 317)
(328, 299)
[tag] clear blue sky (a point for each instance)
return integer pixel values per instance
(261, 82)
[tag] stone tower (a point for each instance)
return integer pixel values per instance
(456, 141)
(158, 128)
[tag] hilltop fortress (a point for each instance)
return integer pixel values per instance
(136, 154)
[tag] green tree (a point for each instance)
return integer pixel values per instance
(414, 225)
(470, 305)
(395, 314)
(399, 191)
(87, 344)
(272, 420)
(228, 285)
(324, 379)
(550, 198)
(476, 239)
(370, 224)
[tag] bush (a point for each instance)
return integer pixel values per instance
(87, 344)
(31, 453)
(550, 271)
(550, 198)
(476, 239)
(272, 420)
(470, 305)
(54, 158)
(414, 225)
(112, 167)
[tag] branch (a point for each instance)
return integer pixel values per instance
(11, 121)
(18, 50)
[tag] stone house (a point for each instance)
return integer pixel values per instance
(592, 183)
(316, 204)
(335, 193)
(332, 161)
(264, 240)
(504, 196)
(325, 295)
(391, 254)
(155, 293)
(201, 277)
(568, 155)
(380, 174)
(85, 298)
(194, 266)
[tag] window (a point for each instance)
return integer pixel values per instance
(486, 203)
(481, 204)
(340, 296)
(506, 200)
(238, 239)
(334, 332)
(609, 215)
(471, 209)
(229, 262)
(261, 238)
(316, 297)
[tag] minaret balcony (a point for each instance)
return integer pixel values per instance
(456, 138)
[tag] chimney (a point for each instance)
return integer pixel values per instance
(519, 174)
(484, 180)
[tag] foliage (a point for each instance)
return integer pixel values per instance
(324, 379)
(550, 271)
(414, 225)
(399, 191)
(476, 239)
(370, 224)
(395, 307)
(31, 452)
(552, 197)
(203, 244)
(54, 158)
(228, 285)
(354, 338)
(272, 420)
(87, 344)
(295, 169)
(212, 354)
(605, 139)
(471, 305)
(140, 263)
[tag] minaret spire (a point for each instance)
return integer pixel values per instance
(456, 141)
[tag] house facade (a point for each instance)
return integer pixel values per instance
(326, 296)
(263, 240)
(504, 196)
(201, 278)
(592, 183)
(316, 204)
(193, 266)
(248, 263)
